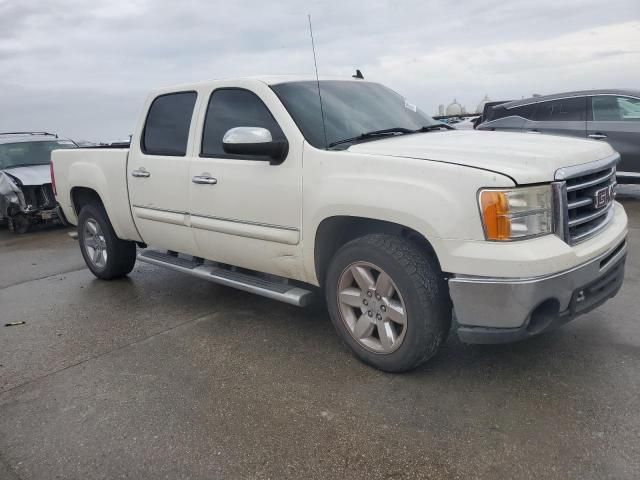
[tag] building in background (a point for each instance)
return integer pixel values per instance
(455, 108)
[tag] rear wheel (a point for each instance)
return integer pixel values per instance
(388, 301)
(106, 255)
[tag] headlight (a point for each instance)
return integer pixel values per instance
(516, 213)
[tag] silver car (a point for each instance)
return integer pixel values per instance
(605, 115)
(26, 193)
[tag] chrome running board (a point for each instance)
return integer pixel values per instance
(211, 272)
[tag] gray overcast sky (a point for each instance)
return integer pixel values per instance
(82, 68)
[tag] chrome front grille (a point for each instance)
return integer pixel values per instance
(587, 198)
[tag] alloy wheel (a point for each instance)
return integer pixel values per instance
(372, 307)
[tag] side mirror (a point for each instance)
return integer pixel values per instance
(254, 141)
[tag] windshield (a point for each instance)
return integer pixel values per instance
(350, 109)
(29, 153)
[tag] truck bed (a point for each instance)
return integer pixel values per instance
(103, 170)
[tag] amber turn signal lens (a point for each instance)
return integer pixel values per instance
(495, 215)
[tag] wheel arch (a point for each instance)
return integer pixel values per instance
(335, 231)
(81, 196)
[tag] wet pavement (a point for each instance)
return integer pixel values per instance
(163, 376)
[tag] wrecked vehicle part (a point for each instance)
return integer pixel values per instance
(10, 196)
(26, 193)
(23, 205)
(19, 223)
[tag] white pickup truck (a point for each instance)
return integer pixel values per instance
(408, 228)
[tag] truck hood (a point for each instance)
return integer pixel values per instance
(526, 158)
(31, 175)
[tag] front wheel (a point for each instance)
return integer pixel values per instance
(106, 255)
(19, 224)
(388, 301)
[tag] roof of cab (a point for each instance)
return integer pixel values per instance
(266, 79)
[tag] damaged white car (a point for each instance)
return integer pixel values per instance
(26, 194)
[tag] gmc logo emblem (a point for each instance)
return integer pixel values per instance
(603, 196)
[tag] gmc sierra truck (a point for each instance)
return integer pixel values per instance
(408, 228)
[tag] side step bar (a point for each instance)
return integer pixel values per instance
(242, 281)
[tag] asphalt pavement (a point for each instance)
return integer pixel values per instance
(164, 376)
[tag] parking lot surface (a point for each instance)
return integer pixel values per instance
(164, 376)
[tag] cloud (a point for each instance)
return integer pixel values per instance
(83, 68)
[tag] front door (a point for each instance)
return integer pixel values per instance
(158, 174)
(616, 119)
(246, 211)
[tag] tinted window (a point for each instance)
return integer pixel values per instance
(561, 110)
(495, 113)
(610, 108)
(167, 129)
(232, 107)
(525, 111)
(350, 109)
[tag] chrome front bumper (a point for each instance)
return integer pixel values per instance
(482, 305)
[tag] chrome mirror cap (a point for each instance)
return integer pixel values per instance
(246, 135)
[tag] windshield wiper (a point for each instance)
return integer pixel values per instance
(390, 131)
(435, 126)
(372, 134)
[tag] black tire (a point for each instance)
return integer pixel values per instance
(19, 224)
(422, 287)
(121, 254)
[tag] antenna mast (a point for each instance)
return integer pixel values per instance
(315, 63)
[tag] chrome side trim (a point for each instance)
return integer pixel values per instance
(172, 217)
(229, 226)
(245, 229)
(246, 222)
(160, 209)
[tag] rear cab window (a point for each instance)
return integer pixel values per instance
(166, 130)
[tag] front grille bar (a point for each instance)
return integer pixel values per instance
(576, 218)
(589, 233)
(591, 183)
(583, 202)
(587, 218)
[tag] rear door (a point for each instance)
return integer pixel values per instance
(564, 116)
(616, 119)
(251, 215)
(158, 173)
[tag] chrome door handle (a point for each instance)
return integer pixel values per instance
(204, 180)
(533, 131)
(141, 173)
(597, 136)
